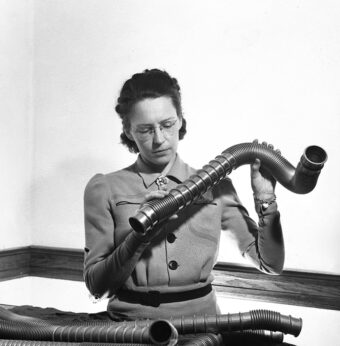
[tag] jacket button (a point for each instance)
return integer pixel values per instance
(173, 265)
(170, 237)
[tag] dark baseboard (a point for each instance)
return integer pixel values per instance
(47, 262)
(291, 287)
(58, 263)
(14, 263)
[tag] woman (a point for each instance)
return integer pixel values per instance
(169, 271)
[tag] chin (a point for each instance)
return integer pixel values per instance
(162, 160)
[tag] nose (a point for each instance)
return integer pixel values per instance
(158, 137)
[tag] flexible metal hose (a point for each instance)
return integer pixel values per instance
(55, 343)
(158, 332)
(208, 339)
(14, 326)
(252, 320)
(236, 322)
(251, 336)
(269, 337)
(301, 179)
(246, 337)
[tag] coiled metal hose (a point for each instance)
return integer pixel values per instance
(252, 336)
(158, 332)
(225, 323)
(193, 340)
(146, 331)
(244, 338)
(301, 179)
(55, 343)
(208, 339)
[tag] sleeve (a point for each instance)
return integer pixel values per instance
(106, 267)
(261, 243)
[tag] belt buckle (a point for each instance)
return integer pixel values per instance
(152, 298)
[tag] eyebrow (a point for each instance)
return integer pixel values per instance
(150, 125)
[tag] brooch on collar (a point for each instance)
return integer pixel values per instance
(161, 181)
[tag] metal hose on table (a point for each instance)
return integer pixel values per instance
(301, 179)
(158, 332)
(244, 338)
(146, 330)
(194, 340)
(16, 326)
(252, 320)
(209, 339)
(56, 343)
(235, 322)
(250, 336)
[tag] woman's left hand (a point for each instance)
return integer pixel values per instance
(262, 182)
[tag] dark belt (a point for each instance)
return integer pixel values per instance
(155, 298)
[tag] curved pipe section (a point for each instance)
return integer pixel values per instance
(246, 337)
(208, 339)
(237, 322)
(301, 179)
(53, 343)
(250, 336)
(158, 332)
(252, 320)
(7, 315)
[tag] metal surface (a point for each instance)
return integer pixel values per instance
(301, 179)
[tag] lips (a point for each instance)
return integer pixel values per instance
(160, 151)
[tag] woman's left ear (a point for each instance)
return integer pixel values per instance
(180, 122)
(128, 135)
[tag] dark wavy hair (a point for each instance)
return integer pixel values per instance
(148, 84)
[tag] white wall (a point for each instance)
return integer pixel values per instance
(16, 141)
(264, 69)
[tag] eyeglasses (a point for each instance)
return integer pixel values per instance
(146, 132)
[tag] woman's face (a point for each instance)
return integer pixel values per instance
(154, 127)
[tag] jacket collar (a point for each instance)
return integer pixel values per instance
(178, 172)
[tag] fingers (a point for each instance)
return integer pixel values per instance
(155, 194)
(255, 167)
(264, 143)
(157, 231)
(269, 146)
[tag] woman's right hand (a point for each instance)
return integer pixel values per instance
(153, 195)
(156, 230)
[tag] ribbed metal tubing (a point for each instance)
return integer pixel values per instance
(54, 343)
(300, 180)
(208, 339)
(267, 336)
(147, 331)
(236, 322)
(157, 332)
(255, 320)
